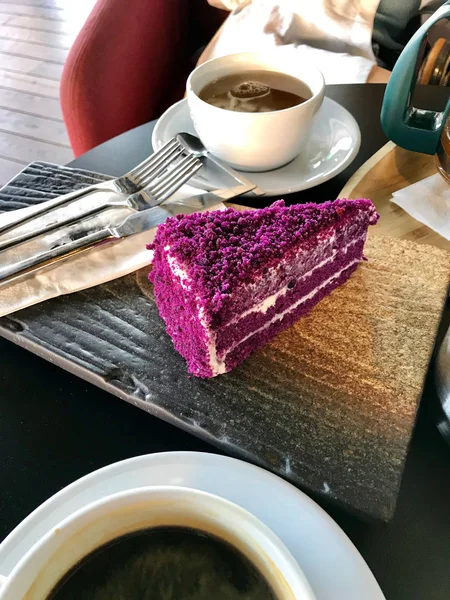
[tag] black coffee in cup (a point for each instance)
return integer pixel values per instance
(255, 91)
(172, 563)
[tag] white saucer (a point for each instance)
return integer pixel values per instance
(334, 143)
(331, 563)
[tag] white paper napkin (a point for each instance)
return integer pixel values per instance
(84, 270)
(428, 201)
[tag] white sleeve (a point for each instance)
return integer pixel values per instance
(336, 67)
(267, 25)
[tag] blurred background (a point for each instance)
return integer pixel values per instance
(35, 37)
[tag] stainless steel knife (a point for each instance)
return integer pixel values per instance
(72, 243)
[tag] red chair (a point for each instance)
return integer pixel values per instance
(129, 63)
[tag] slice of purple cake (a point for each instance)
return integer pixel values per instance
(227, 282)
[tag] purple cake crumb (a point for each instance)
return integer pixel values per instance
(220, 277)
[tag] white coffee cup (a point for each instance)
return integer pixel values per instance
(255, 141)
(46, 563)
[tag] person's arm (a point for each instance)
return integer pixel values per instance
(356, 68)
(334, 65)
(378, 75)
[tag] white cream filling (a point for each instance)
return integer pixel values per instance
(271, 300)
(176, 269)
(302, 300)
(215, 364)
(321, 245)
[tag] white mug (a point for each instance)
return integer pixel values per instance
(255, 141)
(46, 563)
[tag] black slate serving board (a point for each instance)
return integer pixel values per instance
(329, 405)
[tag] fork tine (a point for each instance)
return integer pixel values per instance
(164, 173)
(167, 146)
(182, 178)
(156, 186)
(163, 151)
(153, 171)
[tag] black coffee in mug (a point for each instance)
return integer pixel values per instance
(171, 563)
(255, 91)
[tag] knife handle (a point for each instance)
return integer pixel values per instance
(49, 205)
(56, 254)
(113, 200)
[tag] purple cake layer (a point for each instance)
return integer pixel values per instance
(313, 250)
(227, 250)
(301, 288)
(224, 280)
(177, 308)
(261, 338)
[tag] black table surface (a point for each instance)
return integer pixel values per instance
(55, 428)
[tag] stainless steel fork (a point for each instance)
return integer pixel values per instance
(155, 193)
(133, 181)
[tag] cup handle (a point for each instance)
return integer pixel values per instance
(410, 128)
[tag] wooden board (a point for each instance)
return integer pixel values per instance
(390, 169)
(329, 405)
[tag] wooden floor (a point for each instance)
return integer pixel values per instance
(35, 37)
